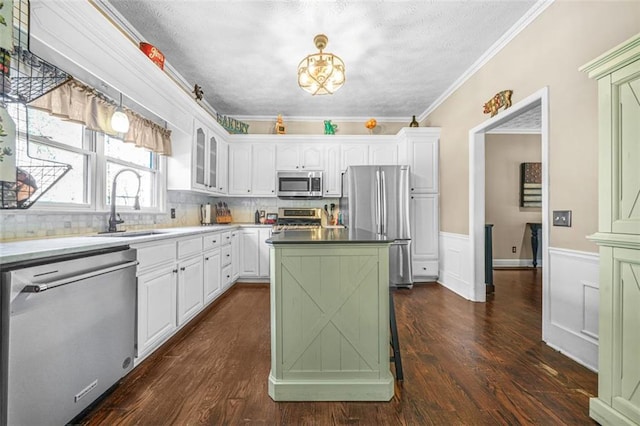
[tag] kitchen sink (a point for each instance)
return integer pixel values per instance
(130, 234)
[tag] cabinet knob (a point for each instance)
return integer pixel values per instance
(297, 167)
(175, 271)
(214, 241)
(228, 255)
(183, 268)
(303, 167)
(424, 268)
(412, 197)
(413, 189)
(248, 190)
(220, 188)
(206, 258)
(228, 276)
(273, 190)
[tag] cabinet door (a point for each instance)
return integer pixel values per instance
(249, 253)
(264, 170)
(263, 247)
(223, 167)
(240, 169)
(424, 166)
(354, 155)
(190, 289)
(386, 154)
(287, 157)
(424, 226)
(156, 316)
(332, 173)
(235, 255)
(311, 157)
(212, 164)
(212, 279)
(200, 157)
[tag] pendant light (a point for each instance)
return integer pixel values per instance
(321, 73)
(119, 119)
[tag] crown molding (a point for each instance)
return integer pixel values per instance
(521, 24)
(316, 118)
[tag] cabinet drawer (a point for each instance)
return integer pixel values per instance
(226, 238)
(226, 255)
(425, 268)
(226, 276)
(160, 254)
(189, 247)
(211, 241)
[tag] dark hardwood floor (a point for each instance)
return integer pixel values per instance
(464, 363)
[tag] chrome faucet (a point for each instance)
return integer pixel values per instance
(114, 218)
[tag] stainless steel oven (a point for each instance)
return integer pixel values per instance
(299, 184)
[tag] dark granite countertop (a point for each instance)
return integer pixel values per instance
(327, 236)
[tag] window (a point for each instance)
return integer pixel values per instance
(95, 159)
(120, 156)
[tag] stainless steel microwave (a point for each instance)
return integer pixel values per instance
(300, 184)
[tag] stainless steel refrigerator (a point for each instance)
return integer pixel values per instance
(376, 198)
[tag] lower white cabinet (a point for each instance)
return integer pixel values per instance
(156, 314)
(212, 275)
(423, 212)
(254, 252)
(190, 289)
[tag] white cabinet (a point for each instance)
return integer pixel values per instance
(254, 252)
(252, 170)
(223, 167)
(235, 255)
(211, 275)
(156, 311)
(249, 252)
(424, 231)
(199, 164)
(190, 289)
(332, 177)
(354, 155)
(299, 157)
(383, 154)
(420, 146)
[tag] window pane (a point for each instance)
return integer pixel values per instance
(116, 148)
(43, 124)
(69, 189)
(127, 186)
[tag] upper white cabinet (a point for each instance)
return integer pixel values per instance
(299, 157)
(353, 155)
(383, 154)
(252, 169)
(332, 177)
(199, 164)
(419, 148)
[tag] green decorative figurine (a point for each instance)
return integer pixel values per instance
(329, 128)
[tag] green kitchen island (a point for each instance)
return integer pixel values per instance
(330, 316)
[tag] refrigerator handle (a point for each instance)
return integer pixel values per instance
(383, 191)
(378, 204)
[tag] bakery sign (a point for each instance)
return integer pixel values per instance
(232, 125)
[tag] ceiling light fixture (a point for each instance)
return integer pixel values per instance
(321, 73)
(119, 119)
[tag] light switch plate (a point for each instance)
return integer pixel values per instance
(562, 218)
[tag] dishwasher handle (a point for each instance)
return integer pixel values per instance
(37, 288)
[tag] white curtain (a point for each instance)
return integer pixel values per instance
(77, 102)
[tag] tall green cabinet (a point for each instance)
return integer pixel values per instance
(618, 236)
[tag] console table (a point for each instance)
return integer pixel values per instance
(535, 227)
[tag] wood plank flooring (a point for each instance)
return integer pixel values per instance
(464, 363)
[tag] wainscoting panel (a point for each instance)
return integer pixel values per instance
(455, 268)
(571, 320)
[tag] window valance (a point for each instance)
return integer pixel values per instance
(77, 102)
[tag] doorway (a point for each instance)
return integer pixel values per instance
(539, 99)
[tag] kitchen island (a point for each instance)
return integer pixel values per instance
(330, 316)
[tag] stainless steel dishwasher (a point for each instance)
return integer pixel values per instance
(67, 334)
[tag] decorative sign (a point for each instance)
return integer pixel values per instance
(7, 147)
(530, 184)
(6, 25)
(153, 53)
(232, 125)
(499, 100)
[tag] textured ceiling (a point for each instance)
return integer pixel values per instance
(529, 121)
(400, 56)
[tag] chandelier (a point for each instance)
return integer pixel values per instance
(321, 73)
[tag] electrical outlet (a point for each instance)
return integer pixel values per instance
(513, 249)
(173, 213)
(562, 218)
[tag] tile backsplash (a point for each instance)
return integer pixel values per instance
(34, 223)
